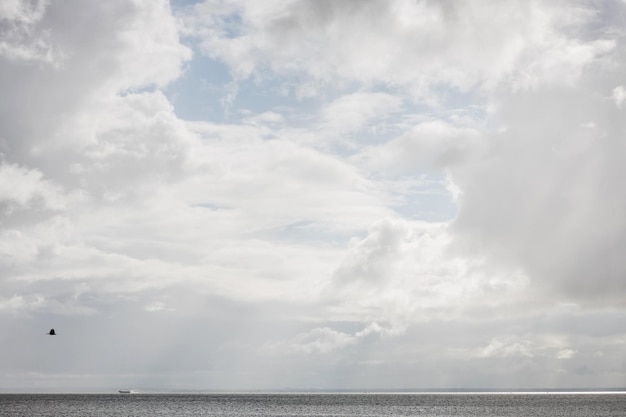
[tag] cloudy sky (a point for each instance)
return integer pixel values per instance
(235, 195)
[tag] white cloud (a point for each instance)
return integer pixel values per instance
(353, 112)
(138, 141)
(427, 145)
(21, 188)
(280, 183)
(321, 340)
(619, 95)
(507, 347)
(414, 44)
(101, 57)
(12, 305)
(566, 354)
(324, 341)
(543, 194)
(157, 306)
(152, 53)
(536, 348)
(304, 213)
(69, 142)
(269, 117)
(403, 272)
(22, 39)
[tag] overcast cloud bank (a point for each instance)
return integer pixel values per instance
(406, 194)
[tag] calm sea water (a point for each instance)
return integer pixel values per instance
(427, 405)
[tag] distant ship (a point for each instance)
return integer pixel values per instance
(124, 391)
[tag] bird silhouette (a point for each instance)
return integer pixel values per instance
(52, 332)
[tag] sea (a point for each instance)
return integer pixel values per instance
(318, 404)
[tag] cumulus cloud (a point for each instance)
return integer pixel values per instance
(101, 57)
(13, 304)
(566, 354)
(619, 95)
(70, 130)
(415, 44)
(157, 306)
(403, 272)
(22, 39)
(23, 188)
(138, 140)
(536, 188)
(505, 347)
(544, 193)
(321, 340)
(530, 347)
(325, 340)
(425, 146)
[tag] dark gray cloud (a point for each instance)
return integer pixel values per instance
(545, 194)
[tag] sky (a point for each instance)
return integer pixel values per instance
(268, 195)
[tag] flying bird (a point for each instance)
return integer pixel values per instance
(52, 333)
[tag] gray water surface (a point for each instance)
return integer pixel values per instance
(427, 405)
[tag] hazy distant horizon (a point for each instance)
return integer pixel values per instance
(517, 391)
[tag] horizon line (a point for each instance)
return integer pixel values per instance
(156, 391)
